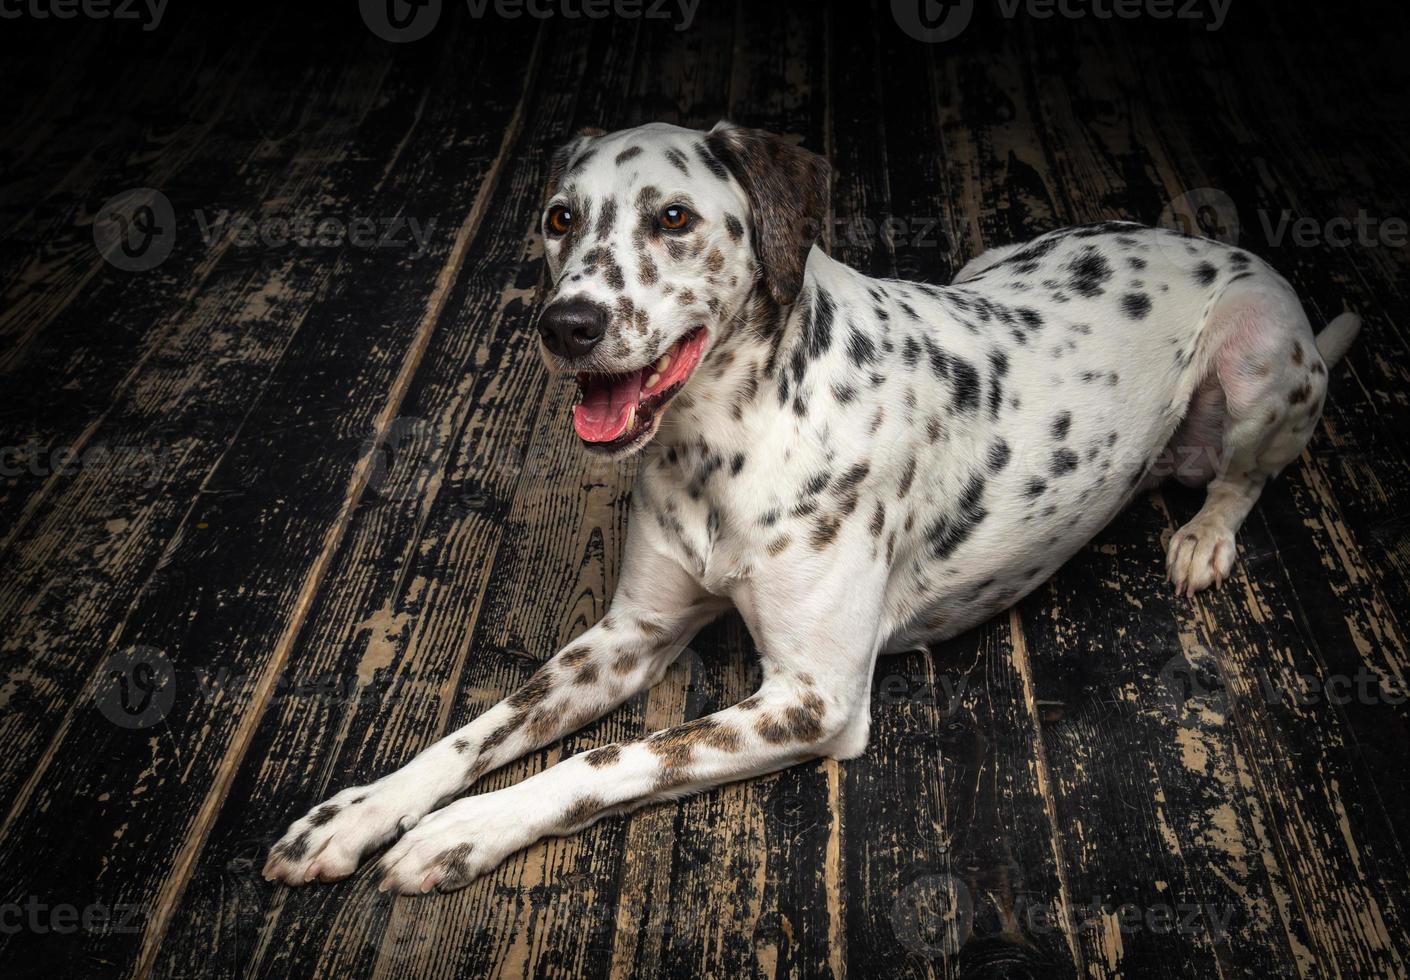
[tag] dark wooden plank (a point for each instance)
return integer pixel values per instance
(208, 161)
(1317, 605)
(87, 539)
(255, 546)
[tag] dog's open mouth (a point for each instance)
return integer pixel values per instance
(617, 408)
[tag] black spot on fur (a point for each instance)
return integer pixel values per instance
(734, 227)
(952, 530)
(628, 154)
(999, 455)
(1136, 305)
(1061, 425)
(966, 386)
(860, 348)
(711, 161)
(1064, 462)
(678, 160)
(1205, 274)
(1090, 272)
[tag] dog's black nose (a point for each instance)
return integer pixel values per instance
(572, 327)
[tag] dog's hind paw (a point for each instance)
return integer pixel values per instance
(1201, 554)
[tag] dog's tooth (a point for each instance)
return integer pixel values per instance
(631, 417)
(664, 363)
(652, 381)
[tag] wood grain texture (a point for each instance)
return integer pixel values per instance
(360, 519)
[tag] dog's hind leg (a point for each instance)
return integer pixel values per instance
(1272, 376)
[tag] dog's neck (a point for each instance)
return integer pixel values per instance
(747, 385)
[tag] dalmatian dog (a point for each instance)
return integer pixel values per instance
(859, 466)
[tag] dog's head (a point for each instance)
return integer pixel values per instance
(656, 237)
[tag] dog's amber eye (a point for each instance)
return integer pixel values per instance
(560, 220)
(673, 217)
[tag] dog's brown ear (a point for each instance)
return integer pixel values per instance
(569, 153)
(788, 196)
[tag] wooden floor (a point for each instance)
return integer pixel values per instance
(274, 517)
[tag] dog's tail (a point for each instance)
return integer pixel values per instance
(1337, 337)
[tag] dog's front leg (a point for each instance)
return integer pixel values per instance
(812, 703)
(656, 611)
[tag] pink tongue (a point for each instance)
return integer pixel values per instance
(605, 412)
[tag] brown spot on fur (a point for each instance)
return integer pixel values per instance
(587, 674)
(825, 532)
(582, 811)
(647, 274)
(715, 261)
(800, 723)
(749, 703)
(324, 814)
(779, 544)
(533, 692)
(625, 662)
(1299, 355)
(455, 865)
(495, 738)
(542, 726)
(878, 520)
(604, 756)
(908, 475)
(1300, 394)
(573, 656)
(676, 746)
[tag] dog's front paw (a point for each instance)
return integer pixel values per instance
(454, 846)
(1201, 554)
(329, 842)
